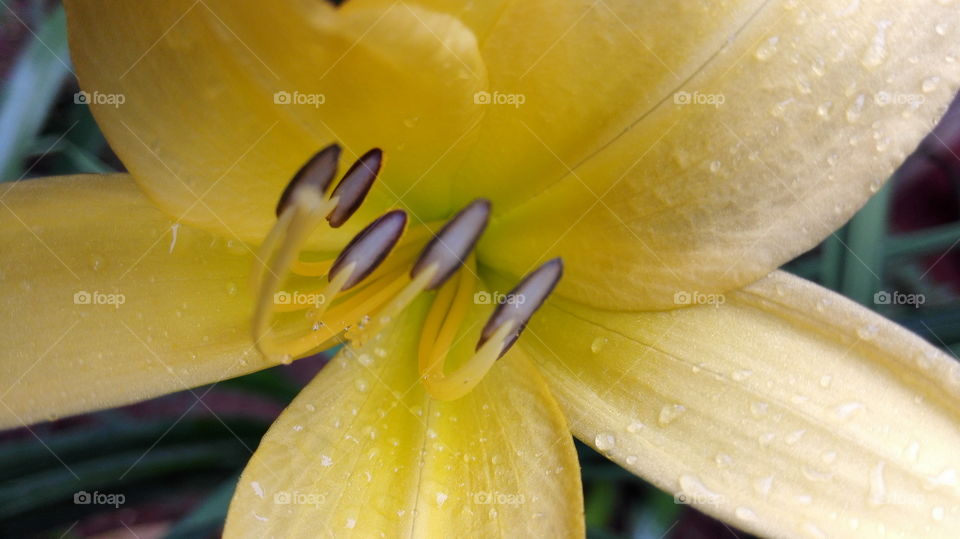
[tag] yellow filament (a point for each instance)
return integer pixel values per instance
(277, 254)
(452, 386)
(344, 314)
(398, 303)
(444, 320)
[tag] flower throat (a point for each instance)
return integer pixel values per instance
(379, 273)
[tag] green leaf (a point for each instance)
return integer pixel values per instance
(30, 92)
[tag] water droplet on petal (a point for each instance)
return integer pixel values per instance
(597, 345)
(605, 441)
(669, 413)
(745, 513)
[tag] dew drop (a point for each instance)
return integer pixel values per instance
(635, 427)
(794, 436)
(597, 345)
(941, 28)
(826, 380)
(746, 514)
(937, 513)
(930, 84)
(844, 411)
(715, 166)
(723, 460)
(759, 408)
(856, 109)
(763, 485)
(767, 49)
(669, 413)
(823, 109)
(878, 487)
(739, 376)
(441, 497)
(631, 459)
(325, 461)
(877, 51)
(813, 530)
(869, 331)
(605, 441)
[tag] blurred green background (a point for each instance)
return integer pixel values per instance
(176, 459)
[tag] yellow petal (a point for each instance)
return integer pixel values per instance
(787, 410)
(363, 451)
(105, 301)
(199, 118)
(820, 100)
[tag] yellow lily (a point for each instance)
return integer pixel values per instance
(669, 153)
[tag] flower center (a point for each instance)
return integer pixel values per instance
(379, 273)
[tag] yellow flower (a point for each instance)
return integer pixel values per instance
(674, 154)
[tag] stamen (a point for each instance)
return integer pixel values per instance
(315, 175)
(453, 243)
(499, 334)
(369, 248)
(354, 186)
(521, 303)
